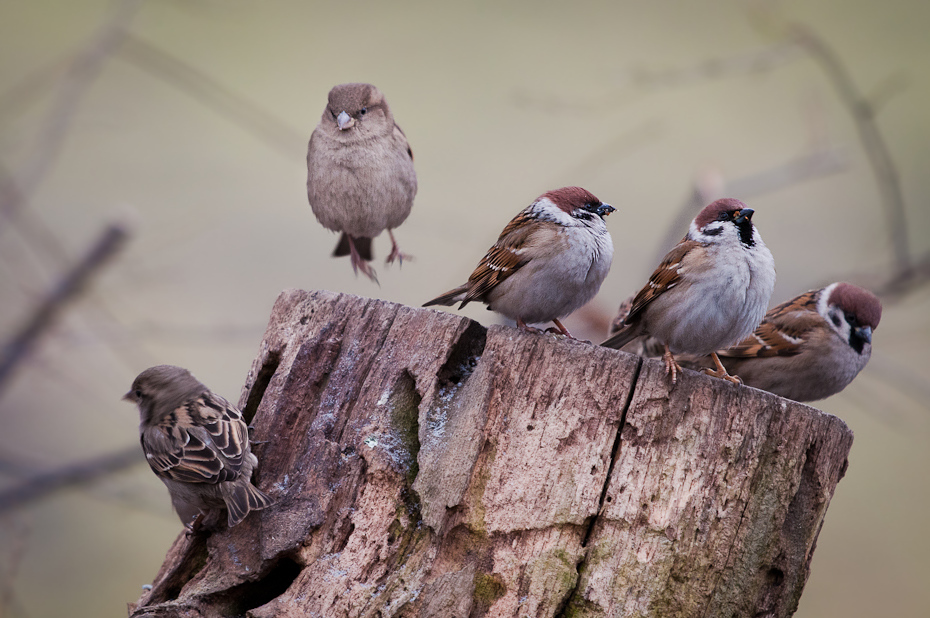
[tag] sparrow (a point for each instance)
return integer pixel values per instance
(360, 177)
(810, 347)
(709, 292)
(646, 346)
(550, 260)
(197, 444)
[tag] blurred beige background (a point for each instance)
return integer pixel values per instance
(188, 121)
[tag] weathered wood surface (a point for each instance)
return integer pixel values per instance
(427, 466)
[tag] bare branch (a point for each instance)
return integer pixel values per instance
(792, 172)
(17, 551)
(863, 113)
(212, 94)
(896, 287)
(110, 241)
(78, 79)
(81, 473)
(758, 61)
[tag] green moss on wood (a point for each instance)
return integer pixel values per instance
(489, 587)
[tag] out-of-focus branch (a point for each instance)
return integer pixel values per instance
(13, 352)
(17, 551)
(628, 81)
(895, 287)
(208, 91)
(792, 172)
(77, 80)
(81, 473)
(757, 61)
(863, 114)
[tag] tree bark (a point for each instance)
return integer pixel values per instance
(426, 466)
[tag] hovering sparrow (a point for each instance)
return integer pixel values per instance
(360, 177)
(811, 346)
(197, 444)
(550, 260)
(710, 290)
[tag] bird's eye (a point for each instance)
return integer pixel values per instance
(363, 111)
(723, 216)
(850, 318)
(137, 393)
(332, 113)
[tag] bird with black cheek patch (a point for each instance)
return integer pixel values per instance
(197, 444)
(550, 260)
(360, 176)
(809, 347)
(710, 291)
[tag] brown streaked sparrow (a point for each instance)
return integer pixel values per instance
(550, 260)
(197, 444)
(360, 177)
(710, 290)
(810, 347)
(644, 345)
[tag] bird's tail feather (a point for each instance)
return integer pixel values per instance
(244, 499)
(362, 246)
(621, 338)
(450, 298)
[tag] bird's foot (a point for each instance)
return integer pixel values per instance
(723, 375)
(530, 329)
(672, 368)
(358, 264)
(396, 253)
(721, 371)
(194, 526)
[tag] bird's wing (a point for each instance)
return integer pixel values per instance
(203, 441)
(781, 332)
(402, 137)
(513, 250)
(664, 278)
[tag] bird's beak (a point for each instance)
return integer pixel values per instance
(744, 215)
(130, 396)
(864, 333)
(345, 121)
(605, 209)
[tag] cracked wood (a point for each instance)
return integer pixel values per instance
(426, 466)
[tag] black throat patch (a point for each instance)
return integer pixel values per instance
(745, 233)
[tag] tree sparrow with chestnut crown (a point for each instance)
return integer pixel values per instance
(360, 177)
(811, 346)
(710, 290)
(550, 260)
(197, 444)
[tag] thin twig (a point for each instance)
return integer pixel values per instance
(17, 552)
(637, 79)
(77, 80)
(110, 241)
(81, 473)
(863, 114)
(757, 61)
(203, 87)
(795, 171)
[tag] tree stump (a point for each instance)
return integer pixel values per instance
(426, 466)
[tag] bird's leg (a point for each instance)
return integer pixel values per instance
(671, 367)
(395, 253)
(561, 329)
(359, 264)
(721, 371)
(195, 525)
(522, 326)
